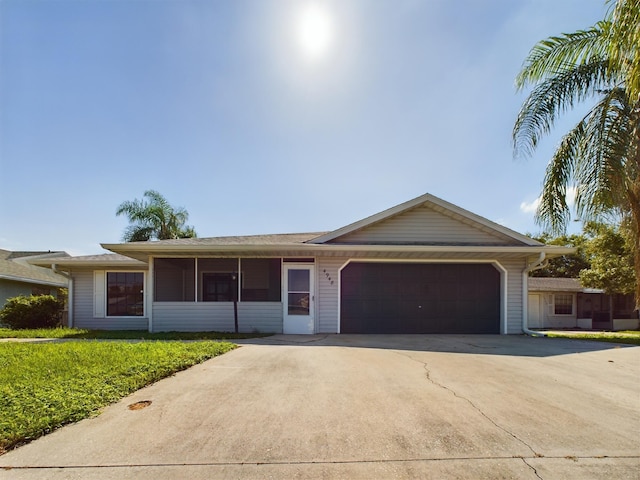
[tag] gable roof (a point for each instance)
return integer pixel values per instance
(478, 237)
(14, 266)
(441, 206)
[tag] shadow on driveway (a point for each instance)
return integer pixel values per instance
(510, 345)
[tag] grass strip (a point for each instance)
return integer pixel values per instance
(79, 333)
(628, 337)
(45, 386)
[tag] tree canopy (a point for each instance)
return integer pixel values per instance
(610, 258)
(600, 156)
(153, 218)
(603, 258)
(564, 266)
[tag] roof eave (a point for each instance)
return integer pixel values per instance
(134, 251)
(50, 283)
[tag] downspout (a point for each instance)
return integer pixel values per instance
(68, 276)
(536, 265)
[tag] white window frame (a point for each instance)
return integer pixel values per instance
(573, 306)
(101, 293)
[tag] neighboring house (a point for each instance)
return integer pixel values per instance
(564, 303)
(19, 277)
(424, 266)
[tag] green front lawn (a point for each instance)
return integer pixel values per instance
(629, 337)
(46, 385)
(80, 333)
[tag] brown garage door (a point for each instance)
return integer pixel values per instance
(419, 298)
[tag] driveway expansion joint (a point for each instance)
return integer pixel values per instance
(470, 402)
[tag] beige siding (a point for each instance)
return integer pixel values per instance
(83, 308)
(328, 293)
(426, 225)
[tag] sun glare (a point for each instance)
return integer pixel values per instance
(314, 30)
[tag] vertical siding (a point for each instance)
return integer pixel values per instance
(424, 224)
(83, 313)
(328, 288)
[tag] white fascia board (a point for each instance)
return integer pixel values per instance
(70, 263)
(168, 250)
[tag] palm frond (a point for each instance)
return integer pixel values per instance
(553, 97)
(553, 211)
(603, 167)
(555, 55)
(624, 46)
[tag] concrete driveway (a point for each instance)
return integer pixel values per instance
(357, 406)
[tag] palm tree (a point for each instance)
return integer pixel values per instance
(154, 218)
(625, 43)
(600, 156)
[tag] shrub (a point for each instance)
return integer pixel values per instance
(35, 311)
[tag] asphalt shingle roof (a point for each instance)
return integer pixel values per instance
(15, 267)
(545, 284)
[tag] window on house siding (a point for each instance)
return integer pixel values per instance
(125, 294)
(174, 279)
(563, 304)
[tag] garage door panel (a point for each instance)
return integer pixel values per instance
(420, 298)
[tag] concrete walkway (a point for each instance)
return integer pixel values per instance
(357, 406)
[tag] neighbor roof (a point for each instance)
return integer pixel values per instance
(102, 260)
(546, 284)
(14, 266)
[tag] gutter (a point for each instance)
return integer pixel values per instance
(536, 265)
(68, 276)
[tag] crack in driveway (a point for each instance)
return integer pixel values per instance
(473, 405)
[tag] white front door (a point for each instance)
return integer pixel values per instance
(534, 319)
(299, 298)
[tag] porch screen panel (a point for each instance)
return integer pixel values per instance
(261, 280)
(174, 280)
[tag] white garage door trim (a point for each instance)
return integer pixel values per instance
(495, 263)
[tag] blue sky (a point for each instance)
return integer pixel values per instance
(223, 108)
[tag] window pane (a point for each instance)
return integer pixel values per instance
(125, 294)
(563, 304)
(299, 280)
(298, 304)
